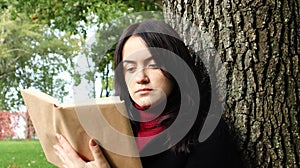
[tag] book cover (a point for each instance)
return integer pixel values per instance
(104, 119)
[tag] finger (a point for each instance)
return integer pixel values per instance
(98, 154)
(95, 149)
(67, 148)
(64, 143)
(66, 151)
(57, 152)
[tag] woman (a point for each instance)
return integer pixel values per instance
(167, 94)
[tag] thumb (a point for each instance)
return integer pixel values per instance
(97, 154)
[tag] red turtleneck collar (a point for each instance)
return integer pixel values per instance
(149, 127)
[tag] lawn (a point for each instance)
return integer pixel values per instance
(19, 154)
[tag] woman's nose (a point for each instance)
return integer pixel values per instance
(142, 76)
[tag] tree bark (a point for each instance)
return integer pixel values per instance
(259, 44)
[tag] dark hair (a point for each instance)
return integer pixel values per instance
(157, 34)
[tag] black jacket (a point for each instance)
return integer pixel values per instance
(217, 151)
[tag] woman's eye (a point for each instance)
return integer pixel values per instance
(153, 66)
(130, 69)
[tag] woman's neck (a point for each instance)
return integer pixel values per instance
(149, 113)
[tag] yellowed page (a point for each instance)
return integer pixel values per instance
(78, 123)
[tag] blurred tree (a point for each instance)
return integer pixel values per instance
(33, 49)
(36, 43)
(69, 15)
(76, 17)
(29, 128)
(101, 51)
(8, 124)
(31, 55)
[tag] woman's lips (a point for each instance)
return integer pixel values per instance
(145, 90)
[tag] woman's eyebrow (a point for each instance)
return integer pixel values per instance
(150, 58)
(134, 61)
(128, 61)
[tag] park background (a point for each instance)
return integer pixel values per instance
(42, 42)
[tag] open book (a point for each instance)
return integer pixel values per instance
(104, 119)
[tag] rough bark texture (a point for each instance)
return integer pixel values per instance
(258, 41)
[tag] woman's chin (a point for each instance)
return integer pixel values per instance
(144, 105)
(154, 104)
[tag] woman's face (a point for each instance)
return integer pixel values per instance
(146, 83)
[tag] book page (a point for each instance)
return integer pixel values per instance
(103, 100)
(32, 93)
(81, 121)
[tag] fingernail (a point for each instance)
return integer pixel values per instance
(58, 136)
(55, 147)
(93, 142)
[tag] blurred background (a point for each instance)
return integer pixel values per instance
(58, 47)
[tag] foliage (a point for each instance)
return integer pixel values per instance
(31, 55)
(8, 124)
(67, 15)
(34, 50)
(102, 50)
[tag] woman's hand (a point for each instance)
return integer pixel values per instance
(71, 159)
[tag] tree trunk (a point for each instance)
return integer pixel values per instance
(259, 44)
(29, 129)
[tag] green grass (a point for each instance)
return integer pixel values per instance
(19, 154)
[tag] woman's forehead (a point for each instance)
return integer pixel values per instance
(135, 48)
(138, 59)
